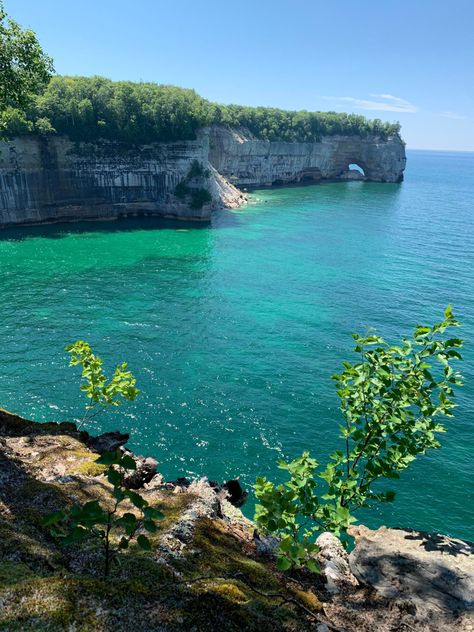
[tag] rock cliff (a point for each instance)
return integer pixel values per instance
(248, 161)
(52, 179)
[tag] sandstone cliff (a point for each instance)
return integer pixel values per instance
(51, 179)
(248, 161)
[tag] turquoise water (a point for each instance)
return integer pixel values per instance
(234, 329)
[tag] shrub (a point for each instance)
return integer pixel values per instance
(196, 170)
(390, 402)
(199, 197)
(43, 126)
(13, 122)
(181, 190)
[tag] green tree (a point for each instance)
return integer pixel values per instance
(114, 528)
(101, 392)
(391, 402)
(89, 108)
(24, 68)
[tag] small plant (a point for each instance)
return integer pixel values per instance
(390, 402)
(181, 190)
(113, 528)
(199, 197)
(196, 170)
(102, 393)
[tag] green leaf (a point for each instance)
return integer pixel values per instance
(114, 477)
(128, 463)
(313, 566)
(153, 514)
(283, 563)
(123, 544)
(109, 458)
(150, 526)
(135, 498)
(78, 534)
(53, 518)
(144, 543)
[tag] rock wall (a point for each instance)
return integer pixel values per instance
(52, 179)
(248, 161)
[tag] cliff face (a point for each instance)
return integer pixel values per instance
(248, 161)
(51, 179)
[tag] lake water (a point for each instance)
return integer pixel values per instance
(234, 329)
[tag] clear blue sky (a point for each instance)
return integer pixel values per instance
(406, 60)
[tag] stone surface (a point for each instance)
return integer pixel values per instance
(333, 560)
(205, 504)
(146, 470)
(265, 545)
(431, 575)
(408, 580)
(51, 179)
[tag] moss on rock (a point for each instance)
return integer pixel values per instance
(44, 586)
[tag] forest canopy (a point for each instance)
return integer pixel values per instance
(89, 108)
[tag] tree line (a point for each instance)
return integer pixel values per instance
(89, 108)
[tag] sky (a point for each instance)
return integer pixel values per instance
(407, 60)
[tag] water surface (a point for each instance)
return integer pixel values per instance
(234, 329)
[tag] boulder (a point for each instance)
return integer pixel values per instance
(232, 490)
(146, 470)
(107, 442)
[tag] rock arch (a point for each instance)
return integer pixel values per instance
(355, 170)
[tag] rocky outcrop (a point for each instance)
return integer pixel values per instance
(208, 569)
(248, 161)
(52, 179)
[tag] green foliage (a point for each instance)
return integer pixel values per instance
(101, 393)
(196, 170)
(90, 108)
(24, 68)
(199, 197)
(43, 126)
(182, 190)
(15, 121)
(109, 525)
(391, 401)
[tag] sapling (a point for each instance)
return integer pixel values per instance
(391, 402)
(101, 392)
(113, 528)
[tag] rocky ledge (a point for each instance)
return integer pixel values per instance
(208, 569)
